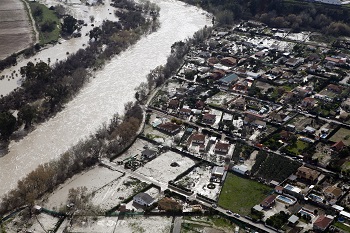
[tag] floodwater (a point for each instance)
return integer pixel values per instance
(15, 28)
(61, 50)
(103, 96)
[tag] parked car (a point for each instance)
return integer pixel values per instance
(236, 215)
(214, 205)
(228, 211)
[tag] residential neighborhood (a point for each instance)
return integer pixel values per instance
(253, 128)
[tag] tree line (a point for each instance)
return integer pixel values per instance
(57, 84)
(298, 15)
(110, 140)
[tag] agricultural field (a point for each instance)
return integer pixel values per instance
(15, 28)
(234, 195)
(274, 167)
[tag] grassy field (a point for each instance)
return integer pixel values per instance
(297, 147)
(342, 226)
(341, 135)
(46, 17)
(240, 195)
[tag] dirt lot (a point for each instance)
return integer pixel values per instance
(126, 225)
(159, 169)
(15, 28)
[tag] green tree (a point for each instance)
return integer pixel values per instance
(7, 125)
(69, 24)
(27, 114)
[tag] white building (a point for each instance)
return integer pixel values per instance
(143, 199)
(241, 169)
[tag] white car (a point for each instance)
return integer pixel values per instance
(229, 212)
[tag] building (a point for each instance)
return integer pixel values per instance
(229, 61)
(218, 172)
(322, 223)
(209, 119)
(268, 202)
(279, 189)
(293, 62)
(332, 192)
(338, 146)
(307, 174)
(198, 138)
(241, 169)
(169, 128)
(185, 112)
(228, 80)
(173, 104)
(221, 148)
(293, 220)
(149, 154)
(308, 102)
(143, 199)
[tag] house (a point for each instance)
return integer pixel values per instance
(200, 104)
(229, 61)
(308, 102)
(241, 87)
(198, 138)
(258, 123)
(169, 128)
(221, 148)
(217, 74)
(218, 172)
(293, 62)
(239, 103)
(212, 61)
(209, 119)
(338, 146)
(334, 88)
(277, 116)
(173, 104)
(285, 135)
(143, 199)
(292, 220)
(332, 192)
(185, 112)
(148, 153)
(307, 174)
(241, 169)
(268, 202)
(279, 189)
(335, 61)
(309, 130)
(227, 80)
(322, 223)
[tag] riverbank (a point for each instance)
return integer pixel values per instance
(96, 103)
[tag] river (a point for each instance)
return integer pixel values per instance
(104, 96)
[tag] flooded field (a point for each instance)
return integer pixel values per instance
(104, 96)
(15, 27)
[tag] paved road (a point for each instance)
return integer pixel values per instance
(177, 224)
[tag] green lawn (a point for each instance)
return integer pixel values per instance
(297, 147)
(46, 17)
(342, 226)
(240, 195)
(341, 135)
